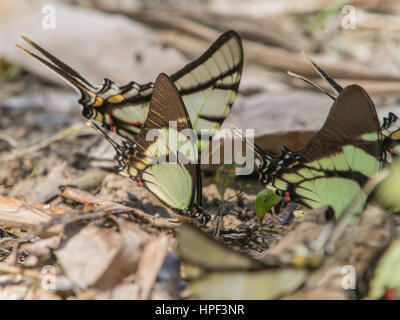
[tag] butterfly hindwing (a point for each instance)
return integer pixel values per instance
(352, 120)
(209, 84)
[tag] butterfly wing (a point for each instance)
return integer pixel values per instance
(208, 86)
(215, 271)
(164, 156)
(338, 160)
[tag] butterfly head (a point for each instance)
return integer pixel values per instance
(199, 214)
(202, 218)
(88, 112)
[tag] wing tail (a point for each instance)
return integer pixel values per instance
(68, 74)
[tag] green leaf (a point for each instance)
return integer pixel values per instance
(320, 20)
(265, 200)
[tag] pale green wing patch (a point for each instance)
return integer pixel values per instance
(333, 191)
(171, 141)
(171, 183)
(373, 136)
(132, 114)
(209, 87)
(361, 161)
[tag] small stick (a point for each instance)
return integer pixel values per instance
(91, 200)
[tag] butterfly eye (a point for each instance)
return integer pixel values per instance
(87, 112)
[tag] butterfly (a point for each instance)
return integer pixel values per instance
(163, 156)
(215, 271)
(208, 87)
(337, 161)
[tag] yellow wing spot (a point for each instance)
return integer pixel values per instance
(133, 171)
(181, 120)
(98, 102)
(140, 166)
(395, 135)
(99, 117)
(116, 98)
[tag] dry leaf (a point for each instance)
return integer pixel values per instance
(86, 256)
(149, 265)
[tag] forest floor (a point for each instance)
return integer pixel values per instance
(66, 214)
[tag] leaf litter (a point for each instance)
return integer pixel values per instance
(70, 228)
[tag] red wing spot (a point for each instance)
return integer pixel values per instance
(139, 181)
(286, 196)
(390, 294)
(138, 123)
(110, 123)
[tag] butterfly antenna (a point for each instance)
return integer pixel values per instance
(115, 145)
(236, 132)
(224, 204)
(295, 75)
(236, 195)
(332, 83)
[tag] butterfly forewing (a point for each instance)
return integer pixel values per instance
(164, 159)
(352, 120)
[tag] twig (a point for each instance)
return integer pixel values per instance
(5, 268)
(101, 204)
